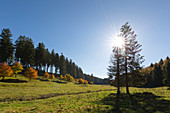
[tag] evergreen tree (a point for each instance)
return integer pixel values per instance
(62, 65)
(161, 62)
(78, 72)
(133, 59)
(52, 60)
(40, 56)
(67, 66)
(71, 67)
(166, 70)
(19, 46)
(74, 70)
(28, 53)
(157, 75)
(57, 62)
(92, 78)
(81, 75)
(47, 59)
(168, 74)
(25, 51)
(6, 46)
(116, 66)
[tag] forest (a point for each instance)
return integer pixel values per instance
(40, 58)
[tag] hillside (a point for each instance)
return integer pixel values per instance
(21, 95)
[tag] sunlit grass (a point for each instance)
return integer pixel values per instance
(89, 101)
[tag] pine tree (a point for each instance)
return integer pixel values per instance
(52, 60)
(24, 51)
(57, 62)
(47, 59)
(28, 53)
(62, 65)
(71, 67)
(81, 74)
(133, 59)
(19, 48)
(6, 46)
(116, 67)
(74, 70)
(40, 56)
(168, 74)
(157, 75)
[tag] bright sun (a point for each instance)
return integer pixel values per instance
(118, 41)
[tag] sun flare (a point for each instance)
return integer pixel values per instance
(118, 41)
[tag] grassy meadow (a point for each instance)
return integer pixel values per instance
(20, 95)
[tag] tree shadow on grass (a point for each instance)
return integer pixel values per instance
(136, 103)
(61, 82)
(13, 81)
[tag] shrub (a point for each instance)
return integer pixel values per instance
(81, 81)
(16, 67)
(85, 82)
(69, 78)
(31, 73)
(61, 77)
(5, 70)
(46, 75)
(52, 76)
(91, 82)
(65, 78)
(77, 80)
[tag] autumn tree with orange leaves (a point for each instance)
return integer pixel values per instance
(31, 73)
(5, 70)
(52, 76)
(46, 75)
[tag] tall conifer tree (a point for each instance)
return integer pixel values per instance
(6, 46)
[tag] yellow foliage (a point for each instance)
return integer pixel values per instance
(85, 82)
(17, 67)
(77, 80)
(52, 76)
(68, 77)
(61, 77)
(81, 81)
(5, 70)
(31, 73)
(91, 82)
(46, 75)
(65, 78)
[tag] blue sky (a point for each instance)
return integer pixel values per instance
(82, 29)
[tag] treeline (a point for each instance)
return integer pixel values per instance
(96, 80)
(40, 58)
(157, 74)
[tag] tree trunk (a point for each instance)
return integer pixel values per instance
(118, 72)
(51, 68)
(126, 74)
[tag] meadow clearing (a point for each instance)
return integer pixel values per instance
(20, 95)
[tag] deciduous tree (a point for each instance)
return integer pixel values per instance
(17, 67)
(5, 70)
(31, 73)
(46, 75)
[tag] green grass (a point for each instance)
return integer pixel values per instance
(46, 96)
